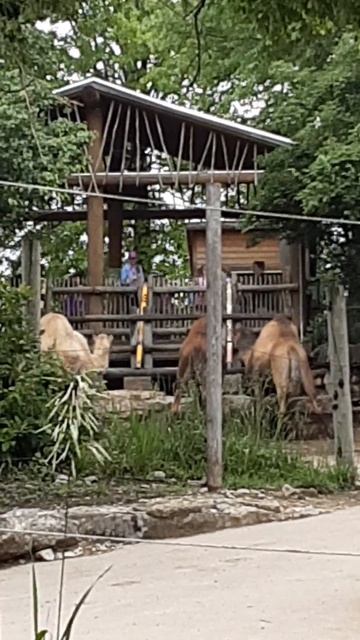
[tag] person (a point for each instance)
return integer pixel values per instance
(132, 274)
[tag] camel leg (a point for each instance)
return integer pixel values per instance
(183, 377)
(280, 371)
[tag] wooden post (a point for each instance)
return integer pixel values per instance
(340, 375)
(148, 333)
(294, 267)
(115, 230)
(214, 335)
(48, 295)
(229, 324)
(95, 206)
(31, 277)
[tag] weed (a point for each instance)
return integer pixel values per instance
(74, 423)
(256, 453)
(42, 634)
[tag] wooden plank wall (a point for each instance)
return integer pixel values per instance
(237, 252)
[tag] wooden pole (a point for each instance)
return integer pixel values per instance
(31, 277)
(214, 342)
(229, 324)
(95, 206)
(340, 375)
(295, 276)
(115, 230)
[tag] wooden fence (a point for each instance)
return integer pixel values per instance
(173, 307)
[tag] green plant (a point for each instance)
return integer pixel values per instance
(41, 634)
(255, 450)
(74, 423)
(27, 379)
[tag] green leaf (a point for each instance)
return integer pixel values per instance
(68, 629)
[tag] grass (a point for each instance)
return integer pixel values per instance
(256, 454)
(255, 451)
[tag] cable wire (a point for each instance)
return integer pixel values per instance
(235, 211)
(181, 544)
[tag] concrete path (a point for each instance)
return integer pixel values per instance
(156, 592)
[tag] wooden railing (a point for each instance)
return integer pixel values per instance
(173, 307)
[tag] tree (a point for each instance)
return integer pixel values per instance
(33, 149)
(318, 108)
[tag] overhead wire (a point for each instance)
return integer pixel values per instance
(180, 543)
(112, 196)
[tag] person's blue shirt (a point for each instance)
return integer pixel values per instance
(131, 275)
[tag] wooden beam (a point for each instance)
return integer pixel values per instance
(214, 337)
(115, 231)
(95, 217)
(165, 178)
(161, 317)
(120, 372)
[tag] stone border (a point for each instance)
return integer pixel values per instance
(151, 519)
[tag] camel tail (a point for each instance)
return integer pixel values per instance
(298, 354)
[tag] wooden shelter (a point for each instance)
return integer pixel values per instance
(240, 250)
(151, 159)
(259, 261)
(141, 148)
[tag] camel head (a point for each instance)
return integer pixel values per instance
(101, 351)
(244, 339)
(102, 343)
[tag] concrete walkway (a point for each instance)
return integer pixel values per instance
(158, 592)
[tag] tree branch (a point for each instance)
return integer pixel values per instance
(196, 15)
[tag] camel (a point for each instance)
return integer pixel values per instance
(57, 334)
(192, 357)
(278, 350)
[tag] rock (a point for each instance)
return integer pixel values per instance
(155, 518)
(288, 491)
(89, 480)
(142, 383)
(310, 492)
(125, 402)
(61, 478)
(305, 512)
(74, 553)
(18, 542)
(47, 555)
(232, 384)
(237, 402)
(159, 475)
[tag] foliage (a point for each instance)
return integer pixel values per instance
(67, 633)
(43, 409)
(26, 380)
(317, 107)
(73, 424)
(64, 249)
(33, 150)
(299, 59)
(255, 454)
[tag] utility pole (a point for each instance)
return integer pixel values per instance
(340, 374)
